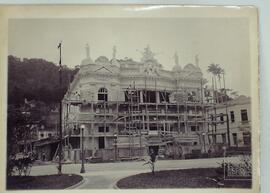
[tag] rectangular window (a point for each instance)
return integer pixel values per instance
(101, 129)
(102, 97)
(235, 139)
(246, 138)
(223, 138)
(164, 96)
(75, 142)
(244, 115)
(151, 128)
(210, 139)
(149, 96)
(214, 139)
(132, 96)
(232, 117)
(194, 128)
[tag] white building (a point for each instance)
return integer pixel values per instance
(239, 122)
(129, 106)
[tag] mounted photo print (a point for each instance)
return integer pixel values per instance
(130, 97)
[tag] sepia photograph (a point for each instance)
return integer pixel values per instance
(132, 97)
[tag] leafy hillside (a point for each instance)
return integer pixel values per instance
(36, 79)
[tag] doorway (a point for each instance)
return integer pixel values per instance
(101, 143)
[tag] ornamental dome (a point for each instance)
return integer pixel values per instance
(102, 60)
(115, 62)
(86, 61)
(191, 68)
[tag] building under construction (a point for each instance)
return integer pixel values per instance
(127, 107)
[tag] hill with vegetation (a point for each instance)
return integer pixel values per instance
(36, 79)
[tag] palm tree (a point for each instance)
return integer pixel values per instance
(216, 71)
(212, 68)
(219, 72)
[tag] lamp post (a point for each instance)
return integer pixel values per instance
(60, 111)
(115, 146)
(227, 116)
(203, 134)
(82, 167)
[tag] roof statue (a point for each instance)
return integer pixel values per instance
(152, 70)
(197, 63)
(148, 55)
(114, 52)
(176, 67)
(197, 60)
(87, 60)
(114, 60)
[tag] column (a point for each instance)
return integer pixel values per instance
(143, 121)
(141, 96)
(157, 97)
(93, 139)
(147, 118)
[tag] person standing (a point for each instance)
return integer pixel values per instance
(153, 160)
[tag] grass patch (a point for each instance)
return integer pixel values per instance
(42, 182)
(187, 178)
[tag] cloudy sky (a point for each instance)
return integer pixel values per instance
(216, 40)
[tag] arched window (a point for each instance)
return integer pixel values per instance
(103, 94)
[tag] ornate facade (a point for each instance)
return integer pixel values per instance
(130, 106)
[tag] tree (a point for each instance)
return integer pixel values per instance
(221, 95)
(36, 79)
(216, 71)
(22, 122)
(15, 121)
(212, 68)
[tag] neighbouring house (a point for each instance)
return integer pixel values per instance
(238, 126)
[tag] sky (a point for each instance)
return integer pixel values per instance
(223, 41)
